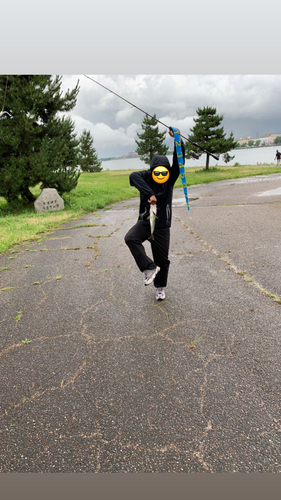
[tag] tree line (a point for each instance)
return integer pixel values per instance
(207, 132)
(38, 143)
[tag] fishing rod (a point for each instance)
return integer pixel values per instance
(170, 128)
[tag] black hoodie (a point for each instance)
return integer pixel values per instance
(147, 187)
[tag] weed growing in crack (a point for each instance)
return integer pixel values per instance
(8, 288)
(193, 344)
(18, 316)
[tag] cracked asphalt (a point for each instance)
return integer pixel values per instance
(97, 376)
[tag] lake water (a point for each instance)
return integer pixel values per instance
(251, 156)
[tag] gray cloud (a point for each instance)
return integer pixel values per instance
(250, 104)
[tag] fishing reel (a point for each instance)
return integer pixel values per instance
(194, 155)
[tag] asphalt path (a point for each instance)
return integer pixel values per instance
(97, 376)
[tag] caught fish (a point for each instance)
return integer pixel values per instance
(152, 218)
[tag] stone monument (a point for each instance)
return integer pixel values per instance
(48, 200)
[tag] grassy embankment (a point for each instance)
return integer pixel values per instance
(95, 191)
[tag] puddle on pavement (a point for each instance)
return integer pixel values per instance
(179, 201)
(247, 180)
(271, 192)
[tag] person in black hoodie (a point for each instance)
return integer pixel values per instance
(156, 187)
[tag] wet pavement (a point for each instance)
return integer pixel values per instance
(97, 376)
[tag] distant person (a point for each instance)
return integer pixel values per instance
(277, 157)
(156, 187)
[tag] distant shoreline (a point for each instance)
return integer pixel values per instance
(171, 152)
(126, 157)
(260, 147)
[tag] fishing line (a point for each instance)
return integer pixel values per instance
(145, 112)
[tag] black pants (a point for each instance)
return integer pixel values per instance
(159, 246)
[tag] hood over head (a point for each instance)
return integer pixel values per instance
(159, 160)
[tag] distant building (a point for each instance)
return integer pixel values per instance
(267, 140)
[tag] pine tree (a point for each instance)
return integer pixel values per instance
(88, 157)
(34, 143)
(151, 140)
(61, 148)
(209, 135)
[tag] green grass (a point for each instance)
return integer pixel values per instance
(95, 191)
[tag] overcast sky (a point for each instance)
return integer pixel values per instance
(149, 42)
(250, 105)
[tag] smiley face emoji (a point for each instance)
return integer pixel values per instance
(160, 174)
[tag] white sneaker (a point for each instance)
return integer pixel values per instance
(160, 294)
(149, 275)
